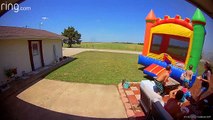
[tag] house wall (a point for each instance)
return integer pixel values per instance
(48, 53)
(14, 54)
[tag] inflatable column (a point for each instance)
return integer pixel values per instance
(150, 19)
(198, 21)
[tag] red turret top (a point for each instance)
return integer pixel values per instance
(176, 20)
(151, 16)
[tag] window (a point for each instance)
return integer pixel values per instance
(156, 43)
(35, 49)
(175, 46)
(178, 48)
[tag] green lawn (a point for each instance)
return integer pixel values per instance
(112, 46)
(99, 68)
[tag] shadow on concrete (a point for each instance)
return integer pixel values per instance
(17, 109)
(13, 108)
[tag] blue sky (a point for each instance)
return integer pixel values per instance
(101, 20)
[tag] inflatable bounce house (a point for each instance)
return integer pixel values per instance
(175, 41)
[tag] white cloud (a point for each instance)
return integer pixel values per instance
(44, 18)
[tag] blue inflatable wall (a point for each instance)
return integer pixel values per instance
(175, 74)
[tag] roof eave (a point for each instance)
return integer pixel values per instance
(204, 5)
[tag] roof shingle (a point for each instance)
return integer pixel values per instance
(7, 32)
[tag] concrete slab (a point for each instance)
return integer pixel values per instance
(49, 99)
(74, 51)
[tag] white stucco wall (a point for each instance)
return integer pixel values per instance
(48, 53)
(14, 54)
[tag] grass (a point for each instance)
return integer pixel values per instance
(99, 68)
(102, 67)
(112, 46)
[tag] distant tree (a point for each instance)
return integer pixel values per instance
(73, 36)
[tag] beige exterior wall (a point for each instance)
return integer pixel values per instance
(48, 53)
(15, 54)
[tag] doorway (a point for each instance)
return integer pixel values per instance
(36, 55)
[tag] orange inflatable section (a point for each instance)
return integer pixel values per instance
(155, 69)
(150, 19)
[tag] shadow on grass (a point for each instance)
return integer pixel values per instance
(148, 77)
(13, 108)
(142, 68)
(145, 76)
(73, 59)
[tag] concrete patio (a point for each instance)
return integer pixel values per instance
(49, 99)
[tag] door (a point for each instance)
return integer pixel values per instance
(36, 54)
